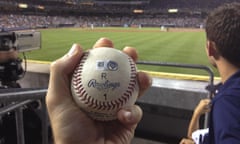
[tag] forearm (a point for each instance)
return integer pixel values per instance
(194, 124)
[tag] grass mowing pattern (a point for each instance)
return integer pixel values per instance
(185, 47)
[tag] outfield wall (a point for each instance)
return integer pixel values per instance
(167, 105)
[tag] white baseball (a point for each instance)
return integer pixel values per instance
(104, 81)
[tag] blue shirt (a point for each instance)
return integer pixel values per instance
(224, 120)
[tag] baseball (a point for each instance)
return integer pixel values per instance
(104, 81)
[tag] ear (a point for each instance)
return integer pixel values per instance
(211, 49)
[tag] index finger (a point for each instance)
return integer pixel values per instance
(106, 42)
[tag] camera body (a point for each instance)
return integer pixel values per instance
(21, 41)
(11, 70)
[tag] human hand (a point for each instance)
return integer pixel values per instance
(186, 141)
(203, 107)
(69, 124)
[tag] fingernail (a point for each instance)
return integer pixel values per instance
(128, 116)
(72, 51)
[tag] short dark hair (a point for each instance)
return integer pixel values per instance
(223, 28)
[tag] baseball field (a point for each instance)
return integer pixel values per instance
(184, 46)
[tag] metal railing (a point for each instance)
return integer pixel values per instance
(14, 101)
(209, 88)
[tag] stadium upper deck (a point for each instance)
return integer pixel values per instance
(83, 13)
(95, 7)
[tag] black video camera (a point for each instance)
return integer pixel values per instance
(20, 41)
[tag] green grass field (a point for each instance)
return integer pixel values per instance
(185, 47)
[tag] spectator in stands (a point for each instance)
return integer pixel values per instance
(69, 124)
(223, 50)
(7, 77)
(7, 55)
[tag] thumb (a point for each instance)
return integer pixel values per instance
(60, 72)
(130, 116)
(69, 61)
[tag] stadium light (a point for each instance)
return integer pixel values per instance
(87, 3)
(40, 7)
(70, 2)
(22, 5)
(138, 11)
(172, 10)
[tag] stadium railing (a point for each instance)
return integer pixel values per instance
(15, 100)
(209, 88)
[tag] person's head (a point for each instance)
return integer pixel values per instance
(8, 55)
(223, 33)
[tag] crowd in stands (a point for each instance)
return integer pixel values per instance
(155, 13)
(36, 21)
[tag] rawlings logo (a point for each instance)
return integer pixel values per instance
(112, 66)
(107, 65)
(102, 86)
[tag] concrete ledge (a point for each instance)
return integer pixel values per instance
(37, 66)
